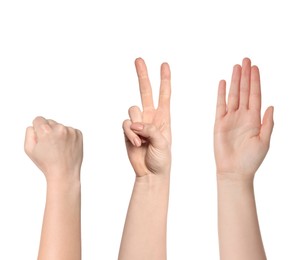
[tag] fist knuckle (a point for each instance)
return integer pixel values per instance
(61, 130)
(79, 133)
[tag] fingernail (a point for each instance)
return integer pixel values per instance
(137, 141)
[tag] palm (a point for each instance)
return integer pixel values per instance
(150, 158)
(238, 144)
(241, 141)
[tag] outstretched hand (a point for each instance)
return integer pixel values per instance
(147, 132)
(241, 139)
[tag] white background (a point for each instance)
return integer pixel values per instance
(73, 61)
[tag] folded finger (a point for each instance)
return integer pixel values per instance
(130, 136)
(52, 122)
(151, 133)
(135, 114)
(40, 125)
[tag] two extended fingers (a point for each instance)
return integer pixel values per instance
(135, 113)
(240, 86)
(146, 90)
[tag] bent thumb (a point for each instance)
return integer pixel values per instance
(30, 140)
(151, 133)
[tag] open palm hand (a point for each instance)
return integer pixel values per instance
(241, 139)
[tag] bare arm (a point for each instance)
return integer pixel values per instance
(241, 142)
(148, 142)
(57, 150)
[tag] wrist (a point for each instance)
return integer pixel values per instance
(151, 192)
(61, 176)
(236, 184)
(234, 177)
(64, 184)
(153, 182)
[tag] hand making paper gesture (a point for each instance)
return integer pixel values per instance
(241, 142)
(241, 139)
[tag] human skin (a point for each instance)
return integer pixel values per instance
(148, 143)
(57, 151)
(241, 142)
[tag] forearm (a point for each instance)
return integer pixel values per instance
(61, 235)
(144, 235)
(239, 233)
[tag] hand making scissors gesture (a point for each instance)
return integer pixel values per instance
(147, 132)
(148, 142)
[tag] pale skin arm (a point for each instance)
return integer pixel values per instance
(148, 142)
(58, 151)
(241, 142)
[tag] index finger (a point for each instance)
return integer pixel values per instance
(165, 88)
(144, 85)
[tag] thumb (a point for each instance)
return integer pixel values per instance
(267, 125)
(30, 140)
(151, 133)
